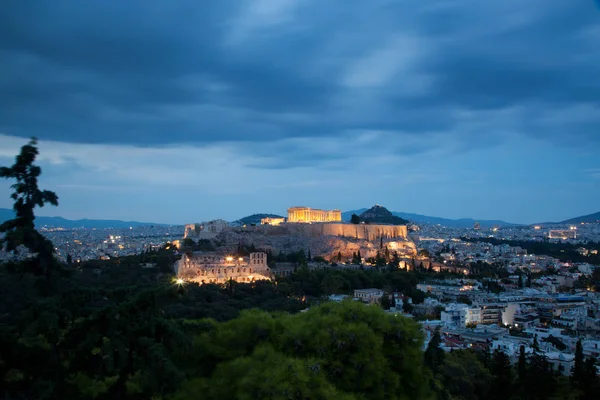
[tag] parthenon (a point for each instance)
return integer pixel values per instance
(308, 215)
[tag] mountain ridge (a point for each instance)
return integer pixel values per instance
(589, 218)
(60, 222)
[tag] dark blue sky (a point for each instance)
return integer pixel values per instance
(181, 111)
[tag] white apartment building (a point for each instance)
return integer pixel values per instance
(460, 315)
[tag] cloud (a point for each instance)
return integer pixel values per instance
(268, 70)
(271, 89)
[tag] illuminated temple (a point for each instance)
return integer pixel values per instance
(308, 215)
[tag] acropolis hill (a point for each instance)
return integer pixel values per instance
(320, 231)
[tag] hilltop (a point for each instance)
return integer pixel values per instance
(588, 219)
(255, 219)
(381, 215)
(429, 220)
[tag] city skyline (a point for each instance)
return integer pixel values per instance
(174, 113)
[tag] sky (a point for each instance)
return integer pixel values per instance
(191, 110)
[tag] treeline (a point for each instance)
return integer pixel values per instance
(481, 374)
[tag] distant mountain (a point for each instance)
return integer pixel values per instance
(424, 219)
(255, 218)
(591, 218)
(381, 215)
(60, 222)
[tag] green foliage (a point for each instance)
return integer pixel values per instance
(20, 231)
(332, 351)
(501, 370)
(434, 354)
(465, 377)
(355, 219)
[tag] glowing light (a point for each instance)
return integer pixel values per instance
(178, 281)
(229, 258)
(537, 227)
(240, 259)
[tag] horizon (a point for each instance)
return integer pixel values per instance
(41, 213)
(192, 112)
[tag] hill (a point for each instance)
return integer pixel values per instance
(381, 215)
(424, 219)
(590, 218)
(60, 222)
(255, 218)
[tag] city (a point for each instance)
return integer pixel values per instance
(300, 200)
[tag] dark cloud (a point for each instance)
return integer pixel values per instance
(203, 71)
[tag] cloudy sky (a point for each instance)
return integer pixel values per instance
(183, 111)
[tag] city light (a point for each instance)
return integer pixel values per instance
(229, 258)
(178, 281)
(240, 259)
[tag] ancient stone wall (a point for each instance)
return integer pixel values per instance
(360, 231)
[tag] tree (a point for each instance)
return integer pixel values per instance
(520, 280)
(502, 376)
(69, 259)
(309, 256)
(577, 372)
(522, 368)
(464, 376)
(386, 302)
(541, 380)
(333, 349)
(20, 231)
(355, 219)
(339, 256)
(434, 354)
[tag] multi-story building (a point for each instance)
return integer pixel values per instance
(214, 268)
(461, 315)
(307, 215)
(491, 313)
(563, 234)
(368, 295)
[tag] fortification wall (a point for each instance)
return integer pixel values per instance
(360, 231)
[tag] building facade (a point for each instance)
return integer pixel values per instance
(368, 295)
(272, 221)
(308, 215)
(215, 268)
(205, 230)
(461, 315)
